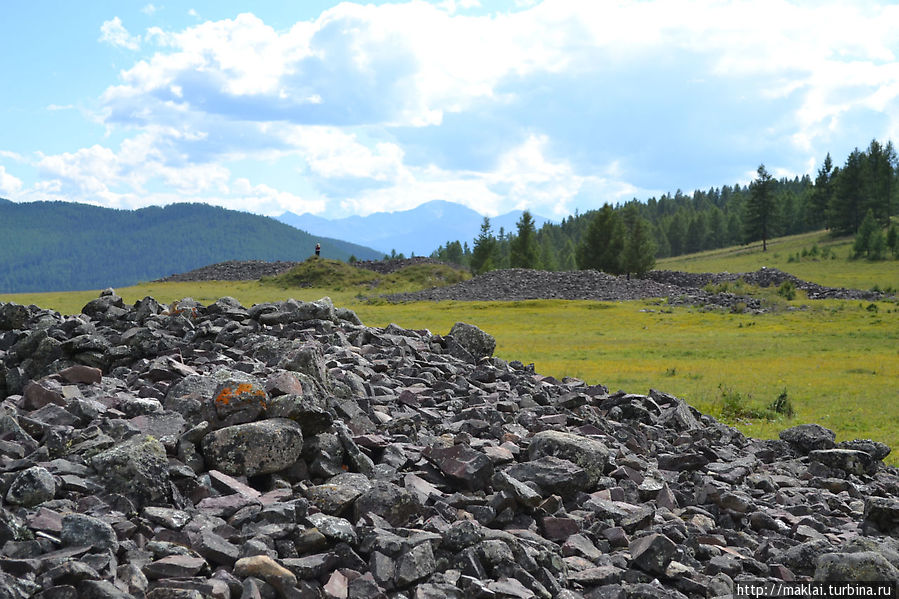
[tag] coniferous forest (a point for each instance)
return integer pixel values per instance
(857, 198)
(63, 246)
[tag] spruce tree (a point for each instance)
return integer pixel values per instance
(822, 194)
(523, 248)
(761, 209)
(640, 249)
(603, 243)
(484, 253)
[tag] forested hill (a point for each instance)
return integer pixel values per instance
(627, 238)
(63, 246)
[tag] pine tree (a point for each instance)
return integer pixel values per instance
(761, 208)
(484, 252)
(869, 240)
(845, 210)
(523, 248)
(822, 195)
(640, 249)
(603, 243)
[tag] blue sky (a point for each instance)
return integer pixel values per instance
(340, 109)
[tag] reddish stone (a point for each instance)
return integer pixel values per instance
(37, 394)
(82, 374)
(559, 529)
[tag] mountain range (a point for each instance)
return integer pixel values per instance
(418, 231)
(64, 246)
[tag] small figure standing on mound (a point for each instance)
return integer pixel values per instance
(318, 249)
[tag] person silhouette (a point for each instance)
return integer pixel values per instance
(318, 249)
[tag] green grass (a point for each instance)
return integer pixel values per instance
(838, 271)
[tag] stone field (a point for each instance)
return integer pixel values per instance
(286, 450)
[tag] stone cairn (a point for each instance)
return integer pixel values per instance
(286, 450)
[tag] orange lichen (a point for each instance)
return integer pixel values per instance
(227, 394)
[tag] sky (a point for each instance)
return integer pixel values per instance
(338, 109)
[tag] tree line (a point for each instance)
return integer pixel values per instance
(857, 198)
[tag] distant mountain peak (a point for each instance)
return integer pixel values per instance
(419, 230)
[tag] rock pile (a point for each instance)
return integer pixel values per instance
(763, 277)
(680, 288)
(518, 284)
(287, 451)
(392, 265)
(234, 270)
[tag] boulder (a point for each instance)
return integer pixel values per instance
(254, 448)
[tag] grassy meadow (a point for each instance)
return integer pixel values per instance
(835, 362)
(830, 266)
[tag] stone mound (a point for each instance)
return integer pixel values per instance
(233, 270)
(287, 450)
(678, 287)
(388, 266)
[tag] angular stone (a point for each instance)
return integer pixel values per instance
(264, 567)
(680, 462)
(136, 467)
(855, 567)
(462, 464)
(589, 454)
(652, 553)
(32, 486)
(80, 530)
(310, 412)
(414, 565)
(875, 449)
(389, 501)
(849, 460)
(214, 548)
(174, 566)
(882, 513)
(808, 437)
(552, 475)
(254, 448)
(239, 400)
(475, 341)
(40, 393)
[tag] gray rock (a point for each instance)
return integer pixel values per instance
(475, 341)
(882, 513)
(875, 449)
(856, 567)
(462, 464)
(81, 530)
(389, 501)
(414, 565)
(552, 475)
(652, 553)
(808, 437)
(254, 448)
(136, 467)
(32, 486)
(589, 454)
(851, 461)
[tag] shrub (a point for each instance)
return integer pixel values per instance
(782, 405)
(787, 290)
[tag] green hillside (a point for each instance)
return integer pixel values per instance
(817, 257)
(62, 246)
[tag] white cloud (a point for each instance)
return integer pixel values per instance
(114, 33)
(149, 9)
(331, 98)
(9, 185)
